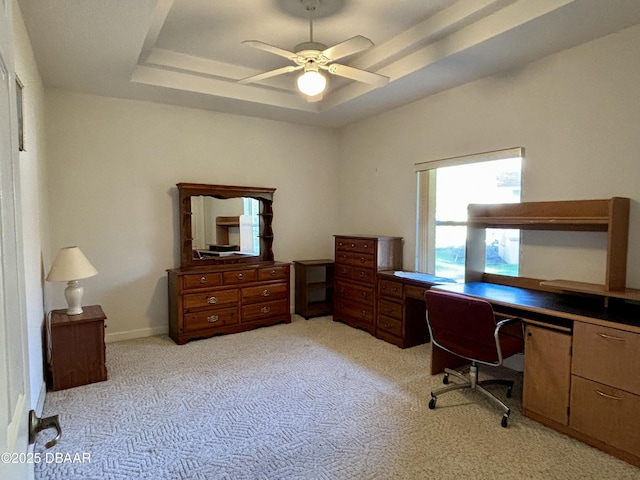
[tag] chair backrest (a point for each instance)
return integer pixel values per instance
(462, 325)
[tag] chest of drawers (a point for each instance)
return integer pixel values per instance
(227, 299)
(357, 260)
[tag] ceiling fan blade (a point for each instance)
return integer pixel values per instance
(270, 48)
(371, 78)
(348, 47)
(272, 73)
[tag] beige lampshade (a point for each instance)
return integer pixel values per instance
(70, 264)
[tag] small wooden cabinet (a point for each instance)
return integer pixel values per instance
(357, 260)
(223, 299)
(548, 373)
(76, 350)
(314, 287)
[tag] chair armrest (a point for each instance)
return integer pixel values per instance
(503, 323)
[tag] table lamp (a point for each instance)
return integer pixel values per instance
(71, 266)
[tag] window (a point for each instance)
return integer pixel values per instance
(445, 188)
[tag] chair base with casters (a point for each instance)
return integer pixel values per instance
(467, 328)
(472, 383)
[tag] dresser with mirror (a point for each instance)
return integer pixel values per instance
(228, 281)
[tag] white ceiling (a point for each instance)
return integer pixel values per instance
(189, 52)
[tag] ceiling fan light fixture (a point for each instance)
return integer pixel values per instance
(312, 82)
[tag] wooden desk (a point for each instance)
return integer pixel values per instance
(401, 308)
(582, 363)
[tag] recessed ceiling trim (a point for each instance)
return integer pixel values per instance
(148, 75)
(160, 14)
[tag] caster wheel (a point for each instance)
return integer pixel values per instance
(509, 390)
(445, 379)
(432, 403)
(505, 421)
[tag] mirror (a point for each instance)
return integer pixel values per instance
(221, 224)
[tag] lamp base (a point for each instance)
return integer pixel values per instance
(73, 293)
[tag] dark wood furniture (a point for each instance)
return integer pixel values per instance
(313, 287)
(358, 258)
(232, 291)
(76, 350)
(582, 366)
(401, 307)
(227, 299)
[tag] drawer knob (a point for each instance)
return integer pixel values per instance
(353, 245)
(203, 279)
(212, 318)
(240, 276)
(363, 260)
(363, 294)
(273, 273)
(363, 313)
(265, 309)
(361, 274)
(266, 292)
(212, 300)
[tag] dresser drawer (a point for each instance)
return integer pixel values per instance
(210, 318)
(356, 259)
(274, 273)
(262, 293)
(349, 291)
(605, 413)
(361, 245)
(212, 298)
(202, 281)
(239, 277)
(257, 311)
(607, 355)
(390, 309)
(391, 325)
(390, 288)
(355, 310)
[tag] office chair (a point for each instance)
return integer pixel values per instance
(467, 327)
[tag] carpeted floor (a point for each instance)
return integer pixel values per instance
(310, 400)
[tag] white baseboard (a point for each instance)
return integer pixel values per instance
(131, 334)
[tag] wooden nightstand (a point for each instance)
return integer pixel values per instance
(76, 351)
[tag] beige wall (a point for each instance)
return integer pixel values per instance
(577, 114)
(113, 165)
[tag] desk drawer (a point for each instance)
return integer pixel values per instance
(605, 413)
(607, 355)
(390, 309)
(391, 325)
(390, 288)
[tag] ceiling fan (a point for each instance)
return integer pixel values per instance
(312, 57)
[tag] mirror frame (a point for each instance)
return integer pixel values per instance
(263, 195)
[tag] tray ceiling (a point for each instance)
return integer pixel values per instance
(190, 52)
